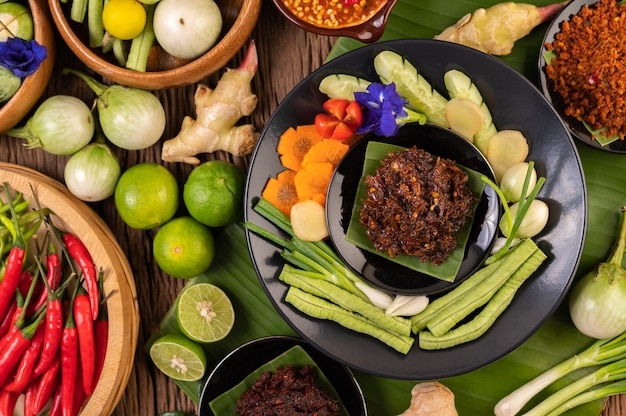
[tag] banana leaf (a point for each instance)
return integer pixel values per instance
(478, 391)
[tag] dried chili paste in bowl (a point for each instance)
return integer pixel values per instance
(291, 390)
(415, 204)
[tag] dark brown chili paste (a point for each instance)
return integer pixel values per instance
(290, 391)
(415, 205)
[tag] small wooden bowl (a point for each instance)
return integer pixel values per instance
(368, 31)
(239, 19)
(33, 86)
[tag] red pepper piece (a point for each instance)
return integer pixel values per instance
(86, 343)
(27, 363)
(47, 385)
(343, 118)
(79, 252)
(8, 399)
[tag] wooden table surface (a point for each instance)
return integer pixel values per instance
(286, 55)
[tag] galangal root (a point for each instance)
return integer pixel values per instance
(431, 399)
(217, 112)
(496, 29)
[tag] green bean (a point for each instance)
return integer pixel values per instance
(488, 315)
(445, 319)
(78, 10)
(322, 309)
(141, 45)
(118, 51)
(95, 26)
(315, 284)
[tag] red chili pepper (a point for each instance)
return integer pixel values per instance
(8, 400)
(86, 343)
(25, 280)
(29, 396)
(52, 335)
(12, 275)
(69, 363)
(53, 272)
(101, 338)
(13, 346)
(79, 395)
(55, 408)
(8, 319)
(25, 368)
(342, 119)
(47, 385)
(79, 252)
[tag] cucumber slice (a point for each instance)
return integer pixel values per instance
(342, 86)
(420, 94)
(459, 85)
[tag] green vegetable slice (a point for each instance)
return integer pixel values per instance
(357, 235)
(225, 403)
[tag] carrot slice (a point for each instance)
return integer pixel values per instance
(281, 191)
(327, 150)
(294, 144)
(312, 181)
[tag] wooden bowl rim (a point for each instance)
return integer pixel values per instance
(194, 71)
(34, 85)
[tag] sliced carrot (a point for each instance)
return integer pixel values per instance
(327, 150)
(281, 191)
(294, 144)
(312, 180)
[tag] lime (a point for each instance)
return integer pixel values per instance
(179, 357)
(183, 247)
(146, 196)
(204, 312)
(213, 193)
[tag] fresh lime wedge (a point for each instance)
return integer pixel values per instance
(179, 357)
(204, 313)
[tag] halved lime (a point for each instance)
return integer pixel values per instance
(204, 313)
(179, 357)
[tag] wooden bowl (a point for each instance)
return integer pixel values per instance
(33, 86)
(239, 19)
(368, 31)
(122, 308)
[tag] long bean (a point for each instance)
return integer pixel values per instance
(488, 315)
(141, 45)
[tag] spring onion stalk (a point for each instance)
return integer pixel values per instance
(597, 303)
(318, 251)
(610, 372)
(601, 352)
(610, 389)
(406, 305)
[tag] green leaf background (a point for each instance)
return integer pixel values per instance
(478, 391)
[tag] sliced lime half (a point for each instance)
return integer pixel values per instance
(204, 312)
(179, 357)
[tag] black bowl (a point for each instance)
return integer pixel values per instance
(576, 127)
(245, 359)
(380, 271)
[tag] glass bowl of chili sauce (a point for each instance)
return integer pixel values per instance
(363, 20)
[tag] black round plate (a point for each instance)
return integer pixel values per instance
(245, 359)
(386, 274)
(515, 104)
(576, 127)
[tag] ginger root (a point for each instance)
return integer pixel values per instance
(494, 30)
(217, 112)
(431, 399)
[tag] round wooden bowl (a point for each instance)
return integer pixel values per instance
(33, 86)
(368, 31)
(239, 19)
(75, 216)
